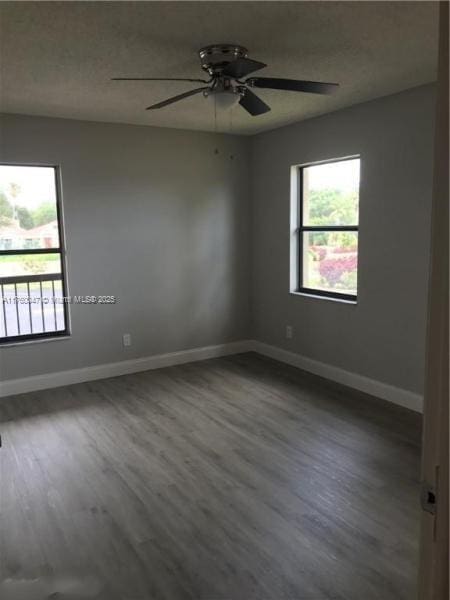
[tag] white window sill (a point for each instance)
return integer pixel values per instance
(319, 297)
(56, 338)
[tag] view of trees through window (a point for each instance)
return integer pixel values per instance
(329, 227)
(30, 253)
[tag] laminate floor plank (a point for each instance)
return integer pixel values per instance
(236, 478)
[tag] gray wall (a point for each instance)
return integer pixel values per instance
(152, 216)
(382, 337)
(158, 219)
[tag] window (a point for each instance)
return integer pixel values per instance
(32, 277)
(326, 229)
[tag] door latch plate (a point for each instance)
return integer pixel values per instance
(428, 498)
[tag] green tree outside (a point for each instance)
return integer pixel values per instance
(332, 207)
(25, 218)
(6, 210)
(44, 213)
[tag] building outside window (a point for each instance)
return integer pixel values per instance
(32, 254)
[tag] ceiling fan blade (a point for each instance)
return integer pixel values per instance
(292, 85)
(156, 79)
(176, 98)
(242, 67)
(252, 104)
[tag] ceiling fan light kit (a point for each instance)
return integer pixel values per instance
(227, 65)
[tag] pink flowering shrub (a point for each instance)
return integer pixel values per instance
(332, 269)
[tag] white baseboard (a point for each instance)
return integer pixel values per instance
(364, 384)
(51, 380)
(373, 387)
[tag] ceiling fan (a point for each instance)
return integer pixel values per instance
(227, 65)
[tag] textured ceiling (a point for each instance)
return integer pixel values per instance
(57, 57)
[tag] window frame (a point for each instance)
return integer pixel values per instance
(301, 229)
(60, 250)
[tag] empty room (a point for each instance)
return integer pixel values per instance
(224, 300)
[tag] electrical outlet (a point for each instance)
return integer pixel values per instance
(126, 339)
(289, 332)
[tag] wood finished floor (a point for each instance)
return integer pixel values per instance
(235, 478)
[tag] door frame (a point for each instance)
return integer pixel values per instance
(434, 541)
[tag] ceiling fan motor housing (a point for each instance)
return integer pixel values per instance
(216, 57)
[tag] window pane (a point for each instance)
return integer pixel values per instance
(331, 193)
(29, 264)
(28, 215)
(330, 261)
(29, 308)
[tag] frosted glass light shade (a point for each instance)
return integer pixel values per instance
(224, 100)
